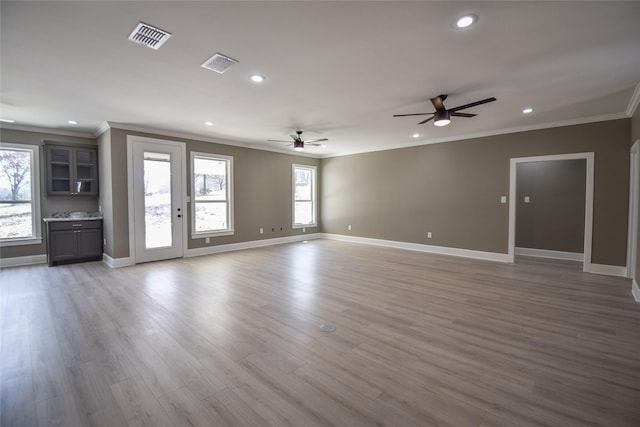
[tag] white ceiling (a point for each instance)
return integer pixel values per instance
(338, 70)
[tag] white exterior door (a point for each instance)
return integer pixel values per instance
(157, 174)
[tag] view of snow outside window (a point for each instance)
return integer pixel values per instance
(16, 219)
(303, 209)
(211, 198)
(157, 200)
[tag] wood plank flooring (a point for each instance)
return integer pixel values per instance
(233, 340)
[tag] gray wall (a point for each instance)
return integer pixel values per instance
(48, 204)
(106, 188)
(453, 189)
(262, 192)
(635, 136)
(554, 217)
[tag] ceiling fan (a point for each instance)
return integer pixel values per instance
(442, 116)
(298, 142)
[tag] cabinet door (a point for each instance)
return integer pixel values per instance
(89, 243)
(86, 174)
(59, 170)
(63, 245)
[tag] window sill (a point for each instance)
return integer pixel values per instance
(213, 234)
(304, 225)
(21, 242)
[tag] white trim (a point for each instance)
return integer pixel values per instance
(21, 242)
(51, 131)
(36, 194)
(634, 207)
(635, 290)
(588, 204)
(117, 262)
(230, 230)
(23, 260)
(441, 250)
(250, 244)
(608, 270)
(545, 253)
(131, 217)
(633, 102)
(314, 195)
(204, 138)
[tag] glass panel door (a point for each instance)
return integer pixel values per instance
(157, 217)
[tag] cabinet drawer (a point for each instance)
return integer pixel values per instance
(74, 225)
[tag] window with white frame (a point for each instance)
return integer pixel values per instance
(19, 194)
(211, 195)
(304, 196)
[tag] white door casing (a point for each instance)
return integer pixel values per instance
(588, 208)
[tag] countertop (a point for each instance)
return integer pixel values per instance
(73, 216)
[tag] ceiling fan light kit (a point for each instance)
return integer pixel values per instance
(442, 118)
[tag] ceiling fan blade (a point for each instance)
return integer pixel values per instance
(295, 138)
(473, 104)
(425, 121)
(463, 114)
(313, 144)
(414, 114)
(438, 102)
(276, 140)
(315, 140)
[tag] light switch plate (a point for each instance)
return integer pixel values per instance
(527, 199)
(503, 199)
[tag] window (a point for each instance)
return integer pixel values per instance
(304, 196)
(211, 195)
(19, 195)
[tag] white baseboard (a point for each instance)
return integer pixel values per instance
(209, 250)
(23, 260)
(635, 290)
(442, 250)
(117, 262)
(545, 253)
(608, 270)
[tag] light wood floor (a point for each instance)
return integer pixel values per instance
(234, 340)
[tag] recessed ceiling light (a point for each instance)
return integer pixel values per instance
(527, 110)
(7, 121)
(208, 123)
(257, 78)
(72, 122)
(416, 135)
(466, 20)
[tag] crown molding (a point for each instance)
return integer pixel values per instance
(505, 131)
(52, 131)
(196, 137)
(633, 102)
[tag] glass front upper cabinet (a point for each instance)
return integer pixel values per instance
(72, 171)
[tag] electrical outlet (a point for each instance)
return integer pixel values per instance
(349, 227)
(304, 230)
(261, 230)
(527, 199)
(503, 199)
(207, 240)
(429, 235)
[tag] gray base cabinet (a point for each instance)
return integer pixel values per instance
(74, 241)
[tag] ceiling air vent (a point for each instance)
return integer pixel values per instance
(149, 36)
(218, 63)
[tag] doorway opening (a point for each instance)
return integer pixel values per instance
(583, 255)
